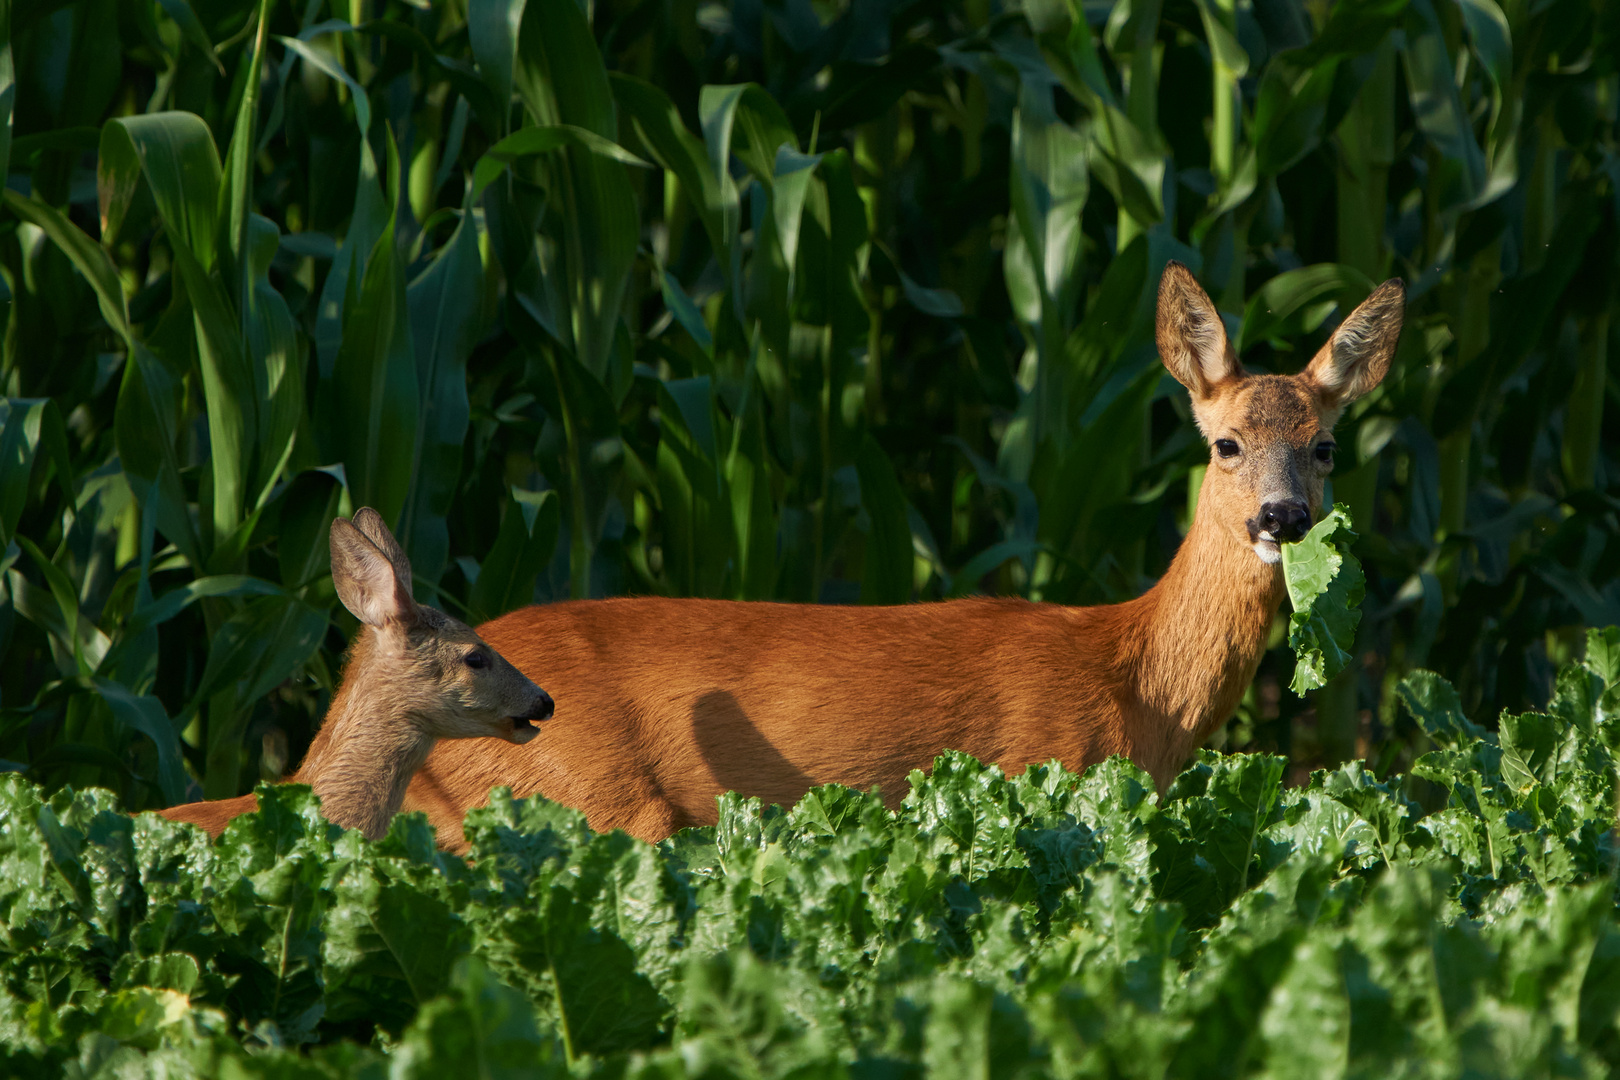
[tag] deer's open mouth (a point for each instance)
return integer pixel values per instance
(523, 730)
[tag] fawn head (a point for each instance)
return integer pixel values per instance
(1271, 436)
(422, 663)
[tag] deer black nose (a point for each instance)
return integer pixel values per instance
(1287, 521)
(542, 708)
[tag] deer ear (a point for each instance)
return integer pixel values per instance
(367, 580)
(1191, 337)
(371, 524)
(1356, 358)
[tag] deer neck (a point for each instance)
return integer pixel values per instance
(364, 756)
(1199, 637)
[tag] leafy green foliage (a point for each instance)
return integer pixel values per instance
(1325, 586)
(1040, 924)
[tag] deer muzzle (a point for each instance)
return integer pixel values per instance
(542, 708)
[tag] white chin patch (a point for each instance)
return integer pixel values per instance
(1269, 551)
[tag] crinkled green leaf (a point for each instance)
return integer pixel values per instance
(1434, 704)
(389, 948)
(479, 1027)
(1325, 586)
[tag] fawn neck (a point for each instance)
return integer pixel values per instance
(1193, 641)
(364, 756)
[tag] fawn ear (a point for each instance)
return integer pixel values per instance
(1356, 358)
(1191, 337)
(371, 523)
(368, 582)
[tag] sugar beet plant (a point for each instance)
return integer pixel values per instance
(1044, 925)
(796, 301)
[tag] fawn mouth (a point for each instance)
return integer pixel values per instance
(523, 730)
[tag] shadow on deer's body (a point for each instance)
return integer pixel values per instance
(413, 676)
(664, 704)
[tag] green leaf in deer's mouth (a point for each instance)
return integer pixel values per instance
(1325, 585)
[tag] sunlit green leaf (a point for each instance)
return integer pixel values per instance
(1325, 586)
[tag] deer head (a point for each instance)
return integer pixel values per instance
(1270, 436)
(423, 664)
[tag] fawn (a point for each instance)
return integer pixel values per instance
(413, 676)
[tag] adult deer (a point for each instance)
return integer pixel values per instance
(667, 703)
(413, 676)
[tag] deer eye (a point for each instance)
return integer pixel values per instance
(476, 660)
(1324, 452)
(1226, 448)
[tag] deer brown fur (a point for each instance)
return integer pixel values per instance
(664, 704)
(413, 676)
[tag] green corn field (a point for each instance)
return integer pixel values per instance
(843, 301)
(801, 302)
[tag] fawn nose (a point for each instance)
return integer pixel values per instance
(1287, 521)
(543, 707)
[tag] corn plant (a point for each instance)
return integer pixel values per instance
(826, 303)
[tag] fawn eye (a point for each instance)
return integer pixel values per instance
(1226, 448)
(1324, 452)
(476, 660)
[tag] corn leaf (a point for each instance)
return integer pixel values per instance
(525, 544)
